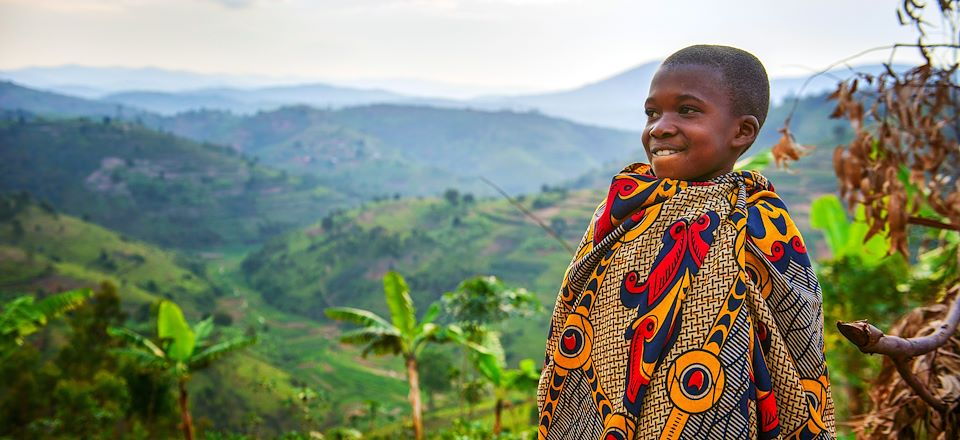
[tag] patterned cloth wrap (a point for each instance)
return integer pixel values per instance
(689, 311)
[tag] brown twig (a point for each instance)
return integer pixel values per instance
(901, 351)
(527, 212)
(922, 221)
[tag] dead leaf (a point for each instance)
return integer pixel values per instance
(786, 150)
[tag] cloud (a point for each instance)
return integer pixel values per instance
(241, 4)
(67, 6)
(235, 4)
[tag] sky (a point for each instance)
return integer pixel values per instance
(506, 45)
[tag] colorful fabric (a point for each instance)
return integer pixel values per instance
(689, 311)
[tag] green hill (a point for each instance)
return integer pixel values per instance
(434, 244)
(155, 186)
(386, 149)
(43, 251)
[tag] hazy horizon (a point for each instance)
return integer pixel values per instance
(501, 46)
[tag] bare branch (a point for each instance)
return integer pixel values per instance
(904, 368)
(901, 351)
(931, 223)
(870, 339)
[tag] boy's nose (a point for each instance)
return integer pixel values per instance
(662, 127)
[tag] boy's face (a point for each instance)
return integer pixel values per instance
(692, 131)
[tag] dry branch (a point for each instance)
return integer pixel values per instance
(902, 351)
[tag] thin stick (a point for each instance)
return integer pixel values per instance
(529, 214)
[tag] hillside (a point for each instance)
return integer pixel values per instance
(16, 97)
(434, 243)
(411, 149)
(44, 251)
(155, 186)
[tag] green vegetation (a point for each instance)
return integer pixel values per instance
(24, 316)
(155, 186)
(435, 244)
(860, 279)
(403, 335)
(44, 250)
(183, 351)
(68, 384)
(386, 149)
(478, 304)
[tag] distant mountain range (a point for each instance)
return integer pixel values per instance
(614, 102)
(361, 152)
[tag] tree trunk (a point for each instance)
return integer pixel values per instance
(498, 409)
(186, 421)
(414, 379)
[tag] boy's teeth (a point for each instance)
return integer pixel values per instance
(659, 153)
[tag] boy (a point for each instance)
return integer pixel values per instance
(690, 309)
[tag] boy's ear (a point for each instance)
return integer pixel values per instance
(748, 127)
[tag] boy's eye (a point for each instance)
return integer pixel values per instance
(651, 113)
(686, 109)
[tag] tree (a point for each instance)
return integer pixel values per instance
(476, 305)
(452, 196)
(402, 335)
(89, 344)
(482, 301)
(182, 351)
(24, 316)
(90, 397)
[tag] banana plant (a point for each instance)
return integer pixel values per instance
(402, 335)
(181, 351)
(847, 238)
(489, 360)
(24, 316)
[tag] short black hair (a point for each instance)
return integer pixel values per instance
(745, 78)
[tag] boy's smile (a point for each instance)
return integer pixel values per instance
(692, 132)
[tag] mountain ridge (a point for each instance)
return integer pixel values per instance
(615, 101)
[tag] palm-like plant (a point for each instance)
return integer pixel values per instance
(182, 351)
(490, 362)
(402, 335)
(24, 315)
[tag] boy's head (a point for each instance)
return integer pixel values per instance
(705, 108)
